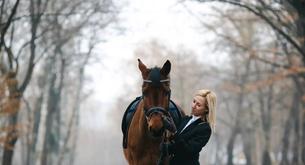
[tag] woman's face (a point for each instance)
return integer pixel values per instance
(199, 106)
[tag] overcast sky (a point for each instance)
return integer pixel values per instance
(143, 20)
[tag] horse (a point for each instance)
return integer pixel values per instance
(146, 130)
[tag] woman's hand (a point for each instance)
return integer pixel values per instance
(169, 124)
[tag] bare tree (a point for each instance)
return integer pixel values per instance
(286, 20)
(15, 91)
(54, 26)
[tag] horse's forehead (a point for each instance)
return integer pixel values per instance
(155, 76)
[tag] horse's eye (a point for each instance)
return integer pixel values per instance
(144, 92)
(166, 89)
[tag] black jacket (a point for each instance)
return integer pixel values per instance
(187, 145)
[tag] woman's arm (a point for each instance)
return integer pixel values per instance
(191, 145)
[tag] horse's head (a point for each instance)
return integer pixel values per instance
(156, 96)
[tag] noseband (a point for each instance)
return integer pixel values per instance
(159, 110)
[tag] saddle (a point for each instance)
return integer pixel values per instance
(174, 112)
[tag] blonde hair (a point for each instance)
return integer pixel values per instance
(211, 101)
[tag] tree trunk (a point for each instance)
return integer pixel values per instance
(37, 115)
(11, 139)
(230, 147)
(51, 138)
(297, 113)
(288, 127)
(74, 119)
(266, 157)
(12, 108)
(34, 132)
(267, 123)
(51, 107)
(248, 152)
(301, 34)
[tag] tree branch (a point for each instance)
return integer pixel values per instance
(8, 23)
(266, 19)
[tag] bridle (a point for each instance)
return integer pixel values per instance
(157, 109)
(154, 78)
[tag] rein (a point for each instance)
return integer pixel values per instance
(163, 153)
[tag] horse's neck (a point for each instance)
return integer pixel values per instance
(140, 144)
(141, 123)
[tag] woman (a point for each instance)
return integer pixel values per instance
(194, 131)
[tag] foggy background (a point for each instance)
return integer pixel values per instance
(69, 70)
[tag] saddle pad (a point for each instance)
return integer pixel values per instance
(129, 112)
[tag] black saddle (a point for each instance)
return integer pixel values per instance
(129, 112)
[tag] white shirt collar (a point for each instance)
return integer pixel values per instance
(194, 118)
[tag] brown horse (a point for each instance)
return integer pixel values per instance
(146, 129)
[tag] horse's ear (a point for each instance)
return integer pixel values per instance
(166, 68)
(142, 67)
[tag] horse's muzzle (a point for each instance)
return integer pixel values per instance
(157, 133)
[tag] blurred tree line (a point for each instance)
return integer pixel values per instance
(266, 41)
(45, 46)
